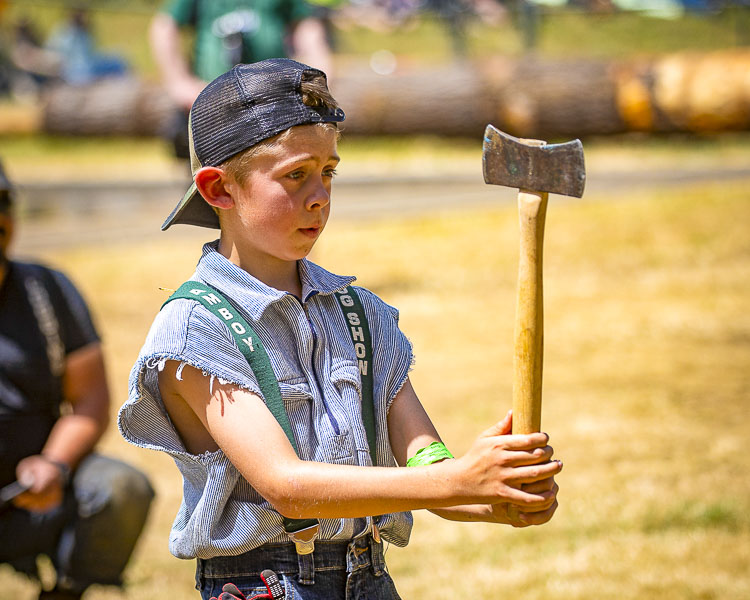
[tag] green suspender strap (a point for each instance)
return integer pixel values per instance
(359, 330)
(303, 532)
(354, 313)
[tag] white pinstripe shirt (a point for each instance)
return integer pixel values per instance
(314, 361)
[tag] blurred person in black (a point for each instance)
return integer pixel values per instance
(58, 497)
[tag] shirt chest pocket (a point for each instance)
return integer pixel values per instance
(321, 428)
(348, 385)
(345, 378)
(295, 393)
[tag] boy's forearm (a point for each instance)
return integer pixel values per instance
(321, 490)
(466, 513)
(305, 489)
(501, 513)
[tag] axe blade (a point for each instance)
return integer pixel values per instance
(526, 165)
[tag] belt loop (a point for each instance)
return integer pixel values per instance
(351, 557)
(199, 570)
(306, 563)
(376, 557)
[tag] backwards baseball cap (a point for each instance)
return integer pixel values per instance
(244, 106)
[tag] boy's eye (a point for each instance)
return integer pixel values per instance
(330, 173)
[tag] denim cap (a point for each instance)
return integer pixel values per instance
(244, 106)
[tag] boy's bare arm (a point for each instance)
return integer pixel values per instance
(493, 471)
(409, 426)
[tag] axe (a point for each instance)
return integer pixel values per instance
(536, 169)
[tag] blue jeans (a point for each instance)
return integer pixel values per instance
(90, 537)
(335, 571)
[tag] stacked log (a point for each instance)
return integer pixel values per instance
(528, 97)
(113, 106)
(686, 92)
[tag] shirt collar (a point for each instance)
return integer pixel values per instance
(252, 294)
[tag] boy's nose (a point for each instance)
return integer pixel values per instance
(320, 195)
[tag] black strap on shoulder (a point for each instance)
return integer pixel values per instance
(36, 280)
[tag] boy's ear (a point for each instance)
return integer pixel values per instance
(212, 185)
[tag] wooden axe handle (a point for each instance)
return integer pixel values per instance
(529, 326)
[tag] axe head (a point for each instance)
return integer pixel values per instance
(532, 165)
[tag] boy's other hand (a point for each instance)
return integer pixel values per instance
(504, 468)
(536, 513)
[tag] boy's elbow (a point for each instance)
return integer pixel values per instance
(286, 494)
(291, 507)
(290, 510)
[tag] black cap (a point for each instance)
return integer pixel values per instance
(244, 106)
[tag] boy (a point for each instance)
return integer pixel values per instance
(263, 140)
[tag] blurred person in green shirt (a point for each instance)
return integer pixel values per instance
(228, 32)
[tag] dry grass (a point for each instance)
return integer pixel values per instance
(647, 385)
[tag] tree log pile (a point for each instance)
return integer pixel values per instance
(116, 106)
(528, 97)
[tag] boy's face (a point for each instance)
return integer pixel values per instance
(284, 203)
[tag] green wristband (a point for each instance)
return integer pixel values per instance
(431, 454)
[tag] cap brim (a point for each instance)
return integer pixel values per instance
(192, 210)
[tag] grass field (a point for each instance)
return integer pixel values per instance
(647, 389)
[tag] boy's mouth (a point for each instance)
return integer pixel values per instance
(310, 231)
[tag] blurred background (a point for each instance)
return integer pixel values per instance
(647, 277)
